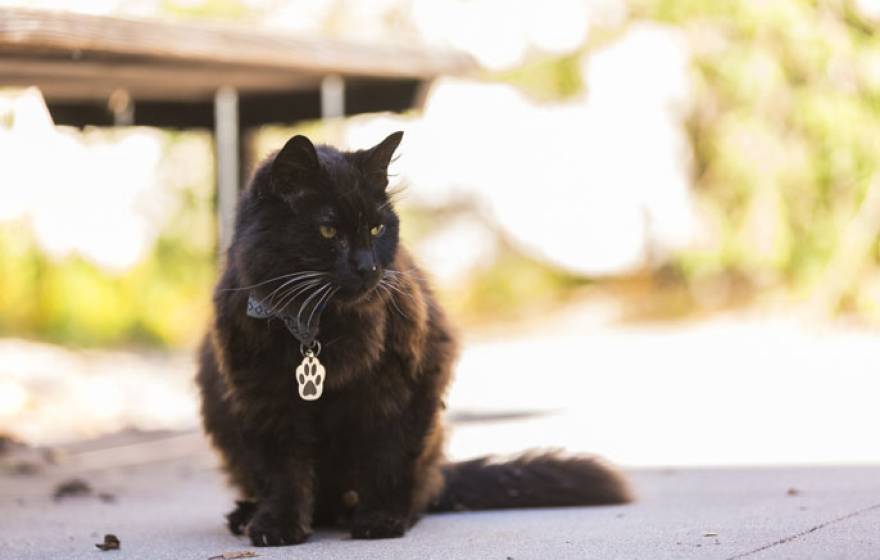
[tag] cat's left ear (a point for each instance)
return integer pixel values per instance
(377, 159)
(295, 165)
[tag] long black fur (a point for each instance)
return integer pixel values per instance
(533, 480)
(368, 453)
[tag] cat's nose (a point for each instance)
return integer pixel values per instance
(365, 266)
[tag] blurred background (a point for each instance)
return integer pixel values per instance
(656, 223)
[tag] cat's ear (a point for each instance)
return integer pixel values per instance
(296, 165)
(377, 159)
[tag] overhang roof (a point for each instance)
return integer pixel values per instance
(79, 60)
(80, 56)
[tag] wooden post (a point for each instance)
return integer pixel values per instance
(226, 142)
(121, 105)
(332, 107)
(332, 97)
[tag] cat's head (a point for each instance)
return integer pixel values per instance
(323, 213)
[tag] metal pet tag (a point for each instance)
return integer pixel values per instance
(310, 377)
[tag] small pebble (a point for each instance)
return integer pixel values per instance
(111, 542)
(73, 488)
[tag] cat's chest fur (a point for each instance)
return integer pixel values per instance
(367, 350)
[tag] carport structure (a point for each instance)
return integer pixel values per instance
(106, 71)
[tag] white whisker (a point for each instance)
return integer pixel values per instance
(317, 291)
(323, 300)
(288, 297)
(384, 285)
(282, 277)
(296, 280)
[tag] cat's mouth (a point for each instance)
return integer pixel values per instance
(356, 292)
(387, 284)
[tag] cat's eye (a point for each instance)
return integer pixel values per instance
(377, 230)
(327, 232)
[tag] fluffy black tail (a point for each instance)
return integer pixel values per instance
(530, 481)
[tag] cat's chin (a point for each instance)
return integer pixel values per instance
(346, 299)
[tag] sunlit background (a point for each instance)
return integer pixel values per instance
(655, 222)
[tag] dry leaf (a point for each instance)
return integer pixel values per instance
(111, 542)
(234, 555)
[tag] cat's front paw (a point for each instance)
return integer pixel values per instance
(238, 519)
(267, 529)
(378, 525)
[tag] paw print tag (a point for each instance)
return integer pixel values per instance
(310, 377)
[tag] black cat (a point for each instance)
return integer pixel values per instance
(323, 376)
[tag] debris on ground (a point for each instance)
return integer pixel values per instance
(234, 555)
(22, 468)
(8, 443)
(107, 497)
(18, 458)
(710, 534)
(111, 542)
(79, 488)
(793, 492)
(73, 488)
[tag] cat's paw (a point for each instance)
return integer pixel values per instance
(378, 525)
(266, 529)
(238, 519)
(310, 378)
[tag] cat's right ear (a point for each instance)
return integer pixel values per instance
(296, 165)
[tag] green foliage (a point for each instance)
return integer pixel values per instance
(513, 287)
(784, 129)
(164, 300)
(548, 79)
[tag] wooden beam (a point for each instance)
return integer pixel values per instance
(80, 36)
(255, 109)
(161, 114)
(85, 78)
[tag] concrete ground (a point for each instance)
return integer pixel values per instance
(743, 394)
(163, 497)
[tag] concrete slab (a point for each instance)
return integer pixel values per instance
(173, 510)
(723, 392)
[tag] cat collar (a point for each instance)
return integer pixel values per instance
(310, 373)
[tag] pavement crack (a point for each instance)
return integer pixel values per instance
(806, 532)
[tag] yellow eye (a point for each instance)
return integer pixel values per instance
(328, 232)
(378, 230)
